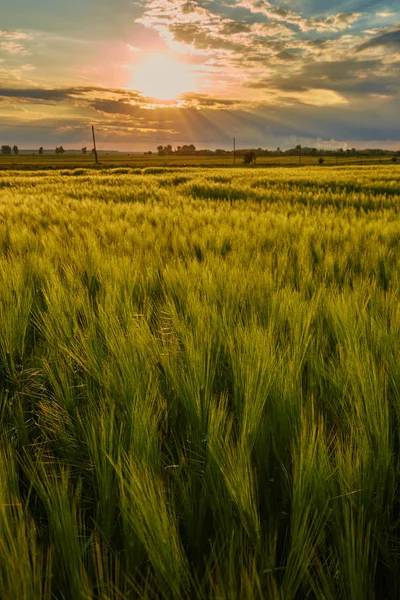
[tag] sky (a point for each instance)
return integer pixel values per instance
(147, 73)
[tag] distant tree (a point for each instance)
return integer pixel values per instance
(41, 150)
(61, 150)
(6, 150)
(394, 159)
(160, 150)
(15, 150)
(249, 157)
(84, 150)
(187, 150)
(93, 151)
(321, 160)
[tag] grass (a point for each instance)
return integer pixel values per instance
(199, 383)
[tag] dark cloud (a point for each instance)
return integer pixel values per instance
(233, 28)
(35, 94)
(391, 39)
(110, 101)
(206, 101)
(285, 55)
(343, 123)
(189, 7)
(115, 107)
(348, 77)
(313, 7)
(66, 94)
(191, 33)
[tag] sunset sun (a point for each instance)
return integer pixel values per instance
(163, 77)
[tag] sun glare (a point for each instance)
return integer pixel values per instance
(163, 78)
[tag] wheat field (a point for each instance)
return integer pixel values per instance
(200, 384)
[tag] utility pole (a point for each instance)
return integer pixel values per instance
(94, 146)
(234, 151)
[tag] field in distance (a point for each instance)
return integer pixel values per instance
(71, 160)
(200, 383)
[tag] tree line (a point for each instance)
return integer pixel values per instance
(248, 154)
(191, 150)
(8, 150)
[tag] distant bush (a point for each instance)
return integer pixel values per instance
(394, 159)
(249, 157)
(321, 160)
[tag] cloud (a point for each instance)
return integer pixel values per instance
(125, 104)
(385, 14)
(191, 33)
(35, 94)
(13, 48)
(233, 28)
(286, 56)
(345, 78)
(14, 35)
(71, 94)
(390, 39)
(10, 42)
(205, 101)
(260, 37)
(330, 23)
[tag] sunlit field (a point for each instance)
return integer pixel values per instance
(200, 383)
